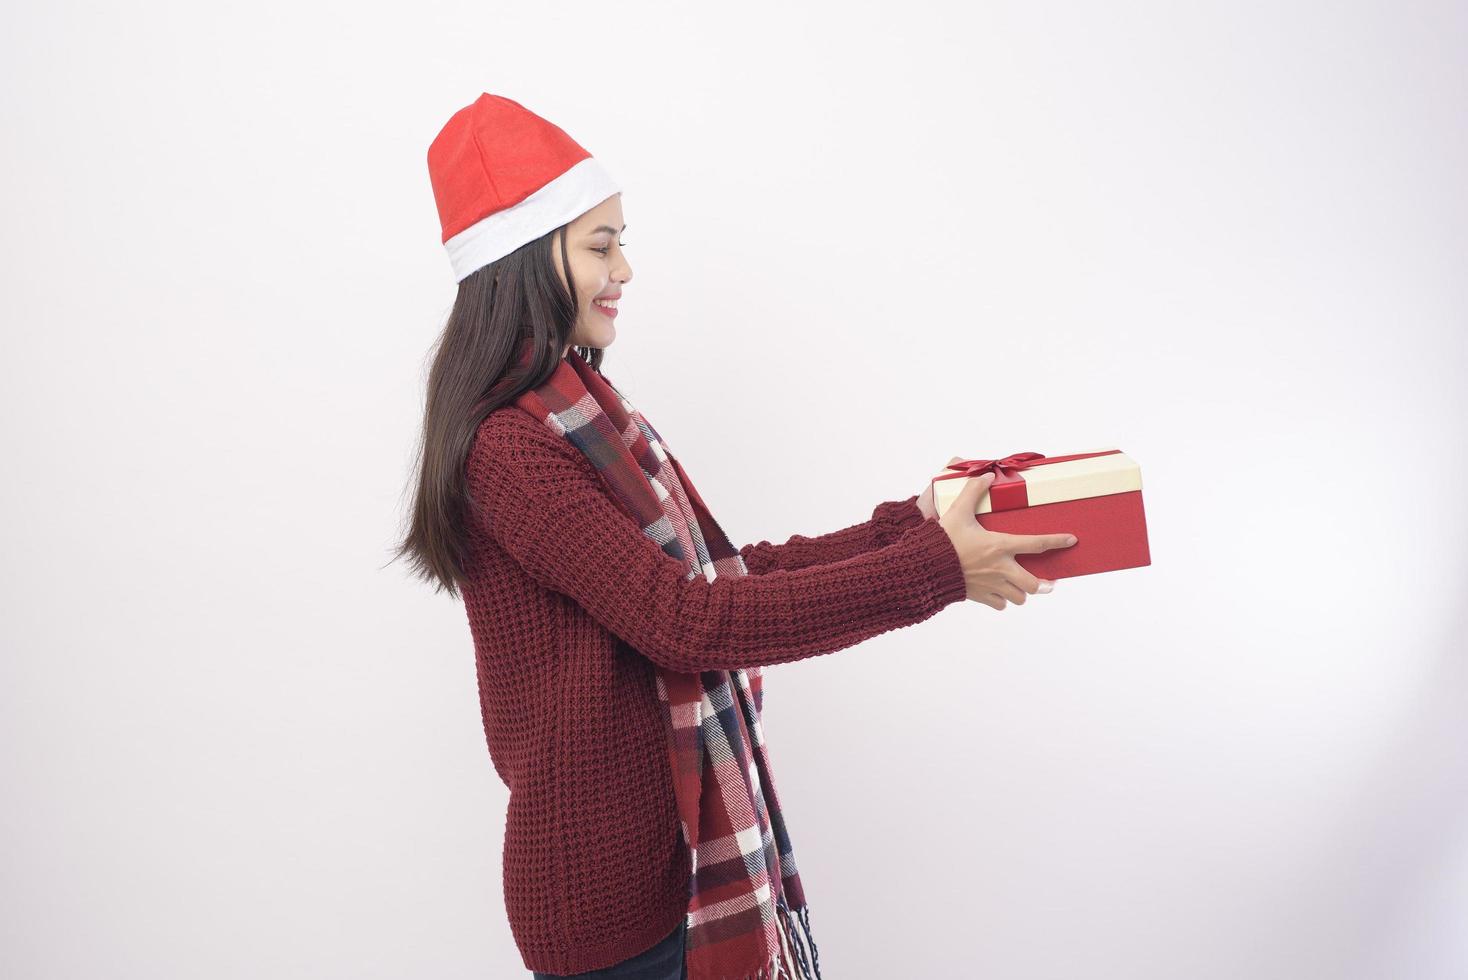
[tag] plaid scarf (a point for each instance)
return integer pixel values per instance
(744, 886)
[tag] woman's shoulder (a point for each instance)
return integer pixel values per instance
(510, 435)
(513, 425)
(519, 469)
(506, 419)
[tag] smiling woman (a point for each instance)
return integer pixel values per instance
(600, 270)
(536, 252)
(608, 608)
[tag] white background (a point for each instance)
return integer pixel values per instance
(1228, 238)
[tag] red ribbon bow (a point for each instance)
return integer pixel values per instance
(1008, 491)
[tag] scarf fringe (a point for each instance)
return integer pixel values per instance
(791, 962)
(793, 939)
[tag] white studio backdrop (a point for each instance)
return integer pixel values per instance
(1228, 238)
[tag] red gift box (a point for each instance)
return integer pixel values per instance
(1097, 496)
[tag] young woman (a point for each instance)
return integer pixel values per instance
(620, 637)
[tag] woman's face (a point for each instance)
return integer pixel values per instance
(594, 250)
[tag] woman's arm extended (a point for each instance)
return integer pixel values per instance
(889, 520)
(546, 505)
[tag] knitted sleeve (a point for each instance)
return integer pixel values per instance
(545, 504)
(889, 519)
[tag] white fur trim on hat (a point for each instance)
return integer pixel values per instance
(564, 199)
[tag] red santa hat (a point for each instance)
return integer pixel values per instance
(502, 176)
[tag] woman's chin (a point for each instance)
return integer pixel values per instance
(597, 331)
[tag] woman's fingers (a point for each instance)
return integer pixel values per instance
(1013, 593)
(988, 558)
(1016, 588)
(1033, 544)
(1024, 579)
(974, 487)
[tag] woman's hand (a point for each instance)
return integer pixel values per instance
(925, 499)
(989, 569)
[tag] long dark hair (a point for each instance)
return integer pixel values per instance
(474, 372)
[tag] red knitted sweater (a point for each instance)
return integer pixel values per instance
(571, 607)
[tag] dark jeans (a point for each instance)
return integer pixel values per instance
(663, 962)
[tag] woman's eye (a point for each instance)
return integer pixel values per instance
(604, 251)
